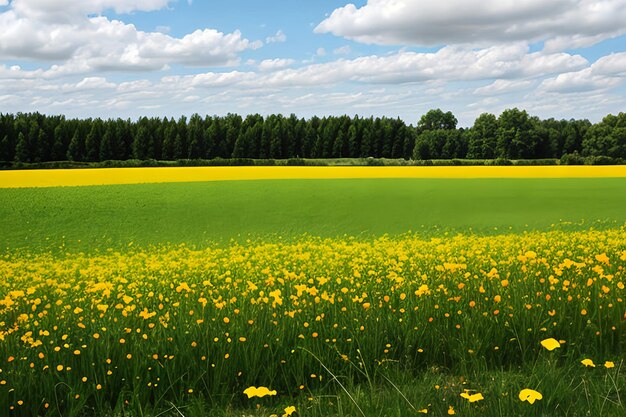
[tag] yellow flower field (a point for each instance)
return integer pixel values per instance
(171, 323)
(77, 177)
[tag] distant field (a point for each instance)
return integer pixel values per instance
(109, 216)
(108, 176)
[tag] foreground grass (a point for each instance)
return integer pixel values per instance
(388, 327)
(101, 217)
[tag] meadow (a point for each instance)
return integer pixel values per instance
(205, 213)
(506, 298)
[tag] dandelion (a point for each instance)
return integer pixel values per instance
(550, 344)
(258, 392)
(472, 398)
(609, 364)
(588, 363)
(451, 411)
(530, 395)
(289, 410)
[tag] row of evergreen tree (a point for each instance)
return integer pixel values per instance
(34, 137)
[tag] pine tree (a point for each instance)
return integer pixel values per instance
(141, 144)
(92, 143)
(21, 149)
(353, 142)
(5, 151)
(340, 146)
(107, 151)
(366, 144)
(210, 136)
(178, 147)
(75, 148)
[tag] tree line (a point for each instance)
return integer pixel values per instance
(34, 137)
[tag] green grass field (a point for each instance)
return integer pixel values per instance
(85, 218)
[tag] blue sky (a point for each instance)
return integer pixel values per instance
(398, 58)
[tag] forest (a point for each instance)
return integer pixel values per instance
(513, 135)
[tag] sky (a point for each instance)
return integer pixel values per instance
(395, 58)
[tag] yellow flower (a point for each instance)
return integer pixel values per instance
(258, 392)
(609, 364)
(550, 344)
(289, 410)
(588, 362)
(423, 411)
(451, 411)
(602, 258)
(472, 398)
(530, 395)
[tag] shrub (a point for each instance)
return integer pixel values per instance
(572, 159)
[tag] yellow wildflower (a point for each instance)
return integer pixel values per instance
(530, 395)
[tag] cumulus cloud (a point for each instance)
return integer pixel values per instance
(503, 87)
(278, 37)
(78, 43)
(606, 73)
(448, 64)
(561, 23)
(66, 10)
(274, 64)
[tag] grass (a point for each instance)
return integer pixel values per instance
(101, 217)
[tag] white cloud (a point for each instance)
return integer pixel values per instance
(613, 64)
(562, 23)
(606, 73)
(66, 10)
(320, 52)
(93, 83)
(274, 64)
(584, 80)
(503, 87)
(287, 91)
(278, 37)
(506, 64)
(82, 44)
(447, 64)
